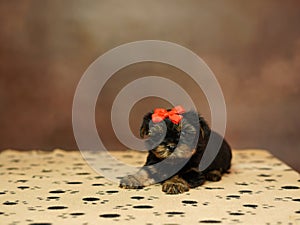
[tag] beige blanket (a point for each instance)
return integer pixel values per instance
(59, 187)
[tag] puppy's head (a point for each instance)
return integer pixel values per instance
(168, 132)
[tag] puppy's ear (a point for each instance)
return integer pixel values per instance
(204, 128)
(193, 121)
(144, 130)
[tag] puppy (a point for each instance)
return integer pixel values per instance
(179, 138)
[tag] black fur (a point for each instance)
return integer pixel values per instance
(189, 176)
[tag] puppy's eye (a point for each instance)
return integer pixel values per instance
(178, 128)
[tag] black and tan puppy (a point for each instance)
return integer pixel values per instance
(179, 138)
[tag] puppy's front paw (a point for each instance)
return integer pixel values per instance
(131, 182)
(175, 186)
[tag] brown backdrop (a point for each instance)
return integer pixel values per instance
(253, 48)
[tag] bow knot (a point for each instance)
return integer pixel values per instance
(173, 114)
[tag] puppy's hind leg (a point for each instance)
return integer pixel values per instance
(214, 175)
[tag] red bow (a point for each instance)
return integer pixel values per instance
(174, 114)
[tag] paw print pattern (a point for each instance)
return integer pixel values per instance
(58, 187)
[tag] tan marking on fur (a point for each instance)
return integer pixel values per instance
(175, 185)
(161, 152)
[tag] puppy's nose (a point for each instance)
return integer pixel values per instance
(172, 148)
